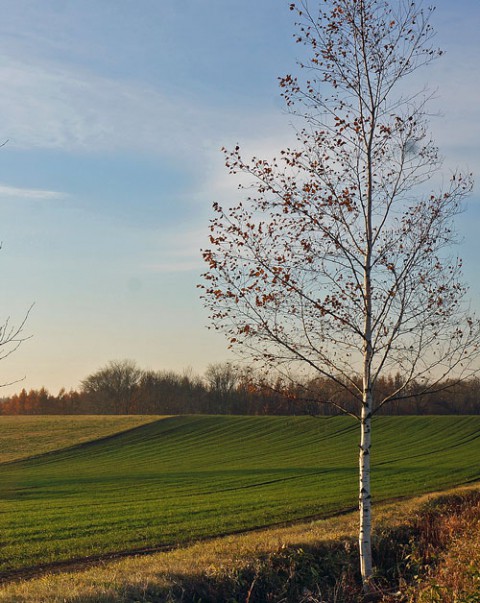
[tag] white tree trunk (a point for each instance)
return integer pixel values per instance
(365, 500)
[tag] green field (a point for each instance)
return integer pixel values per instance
(183, 478)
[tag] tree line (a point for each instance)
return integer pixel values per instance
(121, 387)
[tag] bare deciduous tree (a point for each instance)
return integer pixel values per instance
(221, 381)
(11, 337)
(339, 260)
(114, 386)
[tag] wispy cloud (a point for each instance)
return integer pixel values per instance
(54, 106)
(29, 193)
(51, 106)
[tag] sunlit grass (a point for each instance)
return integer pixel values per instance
(185, 478)
(23, 436)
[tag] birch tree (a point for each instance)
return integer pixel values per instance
(339, 259)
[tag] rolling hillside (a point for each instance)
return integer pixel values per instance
(183, 478)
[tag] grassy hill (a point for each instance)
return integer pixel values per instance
(184, 478)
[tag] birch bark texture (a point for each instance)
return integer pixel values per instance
(339, 262)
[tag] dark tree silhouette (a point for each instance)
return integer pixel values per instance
(114, 386)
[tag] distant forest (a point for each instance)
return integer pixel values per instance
(123, 388)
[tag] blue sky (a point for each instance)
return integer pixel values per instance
(115, 112)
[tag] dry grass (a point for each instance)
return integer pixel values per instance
(455, 578)
(235, 568)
